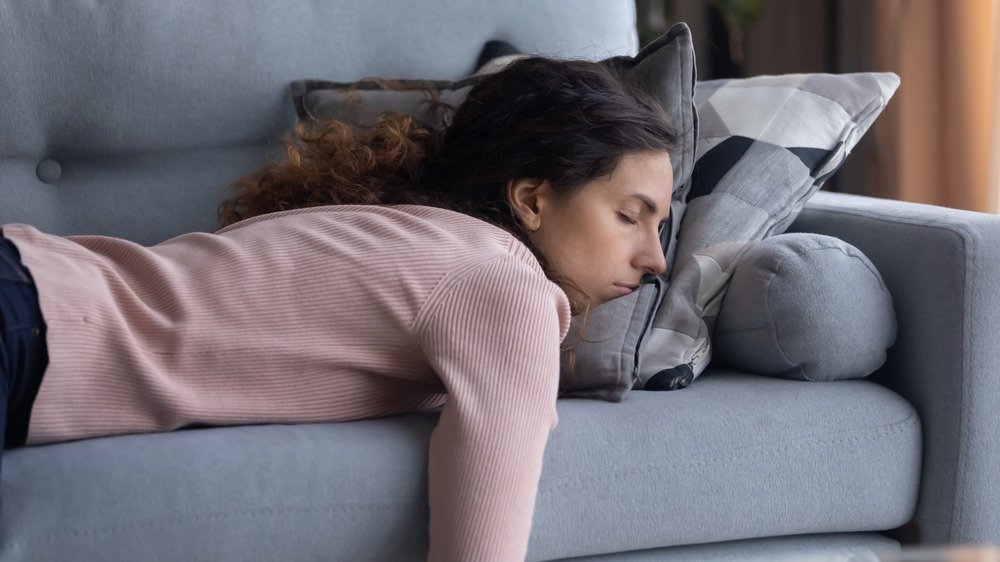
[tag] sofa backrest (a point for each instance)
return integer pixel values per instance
(129, 118)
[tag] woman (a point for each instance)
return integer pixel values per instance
(371, 274)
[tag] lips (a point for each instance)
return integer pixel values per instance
(625, 289)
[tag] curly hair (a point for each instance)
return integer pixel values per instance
(333, 163)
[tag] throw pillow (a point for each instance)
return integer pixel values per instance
(765, 145)
(807, 307)
(430, 102)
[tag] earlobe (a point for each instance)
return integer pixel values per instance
(523, 196)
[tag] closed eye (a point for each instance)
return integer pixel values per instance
(628, 219)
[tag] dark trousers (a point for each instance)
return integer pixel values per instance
(23, 353)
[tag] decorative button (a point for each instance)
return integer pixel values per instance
(49, 171)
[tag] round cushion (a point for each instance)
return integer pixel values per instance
(805, 306)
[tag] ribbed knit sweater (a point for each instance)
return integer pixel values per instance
(318, 315)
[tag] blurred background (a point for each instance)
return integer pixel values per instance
(937, 142)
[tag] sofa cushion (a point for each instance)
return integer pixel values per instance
(805, 306)
(839, 547)
(733, 457)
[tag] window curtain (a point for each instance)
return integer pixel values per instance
(940, 140)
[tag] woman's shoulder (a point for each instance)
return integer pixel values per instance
(498, 290)
(480, 241)
(482, 235)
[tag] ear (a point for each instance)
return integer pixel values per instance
(526, 197)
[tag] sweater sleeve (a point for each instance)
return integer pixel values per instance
(493, 337)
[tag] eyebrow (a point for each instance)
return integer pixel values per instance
(646, 200)
(649, 203)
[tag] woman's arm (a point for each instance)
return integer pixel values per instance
(493, 337)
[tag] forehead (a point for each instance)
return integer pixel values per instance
(648, 174)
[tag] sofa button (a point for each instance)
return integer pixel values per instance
(49, 171)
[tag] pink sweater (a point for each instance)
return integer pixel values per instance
(317, 315)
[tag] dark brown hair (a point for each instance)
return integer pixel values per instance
(567, 121)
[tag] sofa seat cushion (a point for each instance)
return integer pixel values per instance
(733, 456)
(840, 547)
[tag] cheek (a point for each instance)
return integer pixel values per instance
(586, 244)
(602, 251)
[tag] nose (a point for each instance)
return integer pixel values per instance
(651, 259)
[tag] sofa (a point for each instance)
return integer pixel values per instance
(128, 119)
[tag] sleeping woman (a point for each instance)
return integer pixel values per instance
(370, 273)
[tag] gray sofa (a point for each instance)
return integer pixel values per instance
(128, 119)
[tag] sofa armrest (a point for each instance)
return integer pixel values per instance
(942, 267)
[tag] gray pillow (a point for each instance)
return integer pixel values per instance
(807, 307)
(765, 145)
(360, 103)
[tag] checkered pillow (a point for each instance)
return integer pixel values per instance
(765, 145)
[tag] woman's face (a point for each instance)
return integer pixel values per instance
(604, 236)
